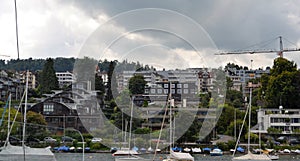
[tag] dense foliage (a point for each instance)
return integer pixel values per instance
(47, 79)
(282, 86)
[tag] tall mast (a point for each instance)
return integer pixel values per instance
(130, 123)
(249, 123)
(17, 32)
(24, 115)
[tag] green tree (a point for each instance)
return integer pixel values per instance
(3, 132)
(234, 98)
(282, 87)
(36, 124)
(111, 83)
(227, 117)
(47, 79)
(137, 84)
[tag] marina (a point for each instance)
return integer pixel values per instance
(109, 157)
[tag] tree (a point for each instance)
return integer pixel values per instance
(3, 133)
(282, 86)
(229, 83)
(234, 98)
(111, 83)
(47, 79)
(137, 84)
(36, 124)
(281, 65)
(227, 117)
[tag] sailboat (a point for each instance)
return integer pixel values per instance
(16, 153)
(249, 156)
(175, 156)
(130, 153)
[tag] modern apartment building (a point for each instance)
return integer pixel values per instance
(65, 78)
(285, 121)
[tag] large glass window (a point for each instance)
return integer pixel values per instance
(48, 107)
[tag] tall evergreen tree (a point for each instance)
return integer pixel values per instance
(110, 75)
(47, 79)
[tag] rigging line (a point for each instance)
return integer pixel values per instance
(17, 32)
(290, 42)
(161, 128)
(257, 44)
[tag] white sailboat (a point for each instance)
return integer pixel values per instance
(250, 156)
(17, 153)
(175, 156)
(131, 155)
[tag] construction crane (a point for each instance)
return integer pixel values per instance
(257, 51)
(4, 55)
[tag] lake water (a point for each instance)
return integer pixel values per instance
(109, 157)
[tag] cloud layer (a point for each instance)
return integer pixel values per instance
(72, 28)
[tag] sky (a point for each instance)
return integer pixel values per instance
(165, 34)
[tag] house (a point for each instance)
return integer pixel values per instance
(71, 108)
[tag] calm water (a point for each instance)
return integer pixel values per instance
(108, 157)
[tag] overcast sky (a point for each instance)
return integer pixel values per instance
(169, 33)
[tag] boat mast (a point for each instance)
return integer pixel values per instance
(170, 115)
(249, 123)
(24, 115)
(130, 124)
(8, 119)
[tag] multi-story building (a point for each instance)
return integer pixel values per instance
(285, 121)
(241, 77)
(32, 82)
(12, 86)
(65, 78)
(202, 80)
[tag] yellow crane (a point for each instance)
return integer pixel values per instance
(279, 52)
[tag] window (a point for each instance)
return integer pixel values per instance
(166, 91)
(152, 91)
(166, 85)
(48, 108)
(179, 91)
(178, 85)
(185, 91)
(159, 91)
(172, 85)
(185, 85)
(173, 91)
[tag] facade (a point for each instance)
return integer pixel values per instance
(13, 86)
(200, 76)
(32, 82)
(241, 77)
(65, 78)
(74, 108)
(285, 121)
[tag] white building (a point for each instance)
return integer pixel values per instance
(65, 78)
(287, 121)
(151, 76)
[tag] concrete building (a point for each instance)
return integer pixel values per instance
(32, 82)
(65, 78)
(285, 121)
(241, 77)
